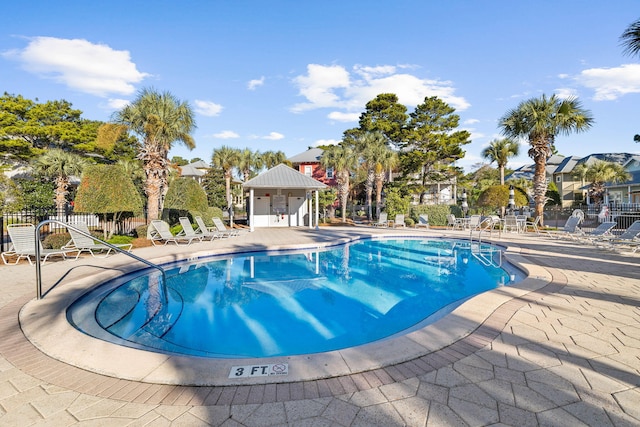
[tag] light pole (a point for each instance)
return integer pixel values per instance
(512, 198)
(464, 205)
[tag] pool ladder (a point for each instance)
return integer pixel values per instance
(486, 256)
(115, 248)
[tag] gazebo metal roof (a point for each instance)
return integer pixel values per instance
(282, 176)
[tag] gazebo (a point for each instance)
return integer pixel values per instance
(283, 197)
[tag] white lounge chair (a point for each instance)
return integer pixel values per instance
(210, 232)
(399, 221)
(188, 231)
(82, 243)
(383, 220)
(629, 239)
(159, 231)
(455, 223)
(571, 229)
(23, 245)
(601, 232)
(222, 229)
(423, 221)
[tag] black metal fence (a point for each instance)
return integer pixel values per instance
(124, 226)
(624, 214)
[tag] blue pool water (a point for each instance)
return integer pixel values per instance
(293, 302)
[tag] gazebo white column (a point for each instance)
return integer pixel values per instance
(317, 215)
(251, 219)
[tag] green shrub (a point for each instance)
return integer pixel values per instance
(141, 231)
(56, 240)
(119, 239)
(437, 213)
(408, 221)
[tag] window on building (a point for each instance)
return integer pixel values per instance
(308, 170)
(558, 178)
(329, 173)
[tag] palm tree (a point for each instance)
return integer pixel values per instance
(499, 151)
(540, 120)
(226, 158)
(274, 158)
(631, 39)
(249, 162)
(599, 173)
(372, 146)
(343, 160)
(60, 165)
(159, 119)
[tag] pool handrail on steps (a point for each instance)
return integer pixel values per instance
(115, 248)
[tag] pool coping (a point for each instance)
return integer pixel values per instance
(45, 325)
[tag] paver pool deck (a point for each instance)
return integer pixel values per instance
(562, 348)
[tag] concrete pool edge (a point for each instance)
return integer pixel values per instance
(44, 323)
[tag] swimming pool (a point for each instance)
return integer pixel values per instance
(264, 304)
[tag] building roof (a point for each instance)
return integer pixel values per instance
(282, 176)
(312, 155)
(189, 170)
(567, 164)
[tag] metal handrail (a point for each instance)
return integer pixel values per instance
(115, 248)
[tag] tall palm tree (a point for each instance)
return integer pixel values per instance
(160, 119)
(60, 165)
(631, 42)
(379, 160)
(249, 162)
(540, 120)
(226, 158)
(343, 160)
(274, 158)
(599, 173)
(499, 151)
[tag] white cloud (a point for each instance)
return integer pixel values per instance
(565, 93)
(255, 83)
(339, 116)
(207, 108)
(81, 65)
(273, 136)
(319, 84)
(117, 104)
(334, 86)
(471, 122)
(226, 134)
(611, 83)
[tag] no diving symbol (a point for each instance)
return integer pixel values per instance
(280, 369)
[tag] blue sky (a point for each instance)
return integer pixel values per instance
(288, 75)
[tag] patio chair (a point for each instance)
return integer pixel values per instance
(602, 231)
(159, 231)
(217, 222)
(454, 223)
(383, 220)
(511, 224)
(423, 221)
(210, 232)
(533, 225)
(630, 238)
(570, 230)
(398, 221)
(82, 243)
(188, 231)
(475, 222)
(23, 245)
